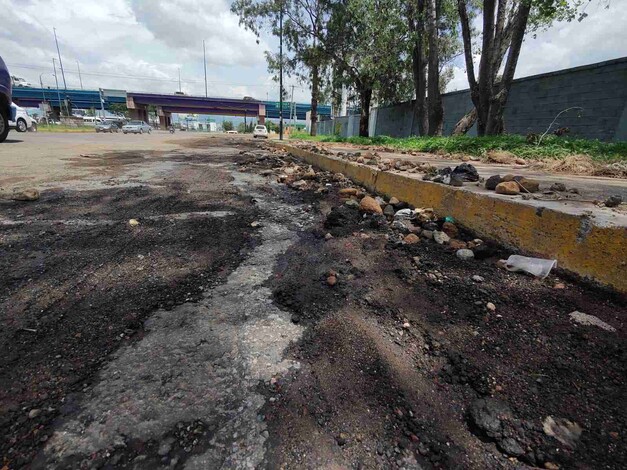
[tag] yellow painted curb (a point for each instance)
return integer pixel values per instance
(591, 251)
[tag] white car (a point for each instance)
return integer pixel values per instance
(136, 127)
(19, 82)
(22, 122)
(260, 131)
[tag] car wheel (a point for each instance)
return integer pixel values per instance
(149, 131)
(124, 132)
(21, 125)
(4, 125)
(141, 131)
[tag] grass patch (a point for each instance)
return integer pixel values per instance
(63, 128)
(551, 146)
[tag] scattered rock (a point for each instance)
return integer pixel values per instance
(341, 439)
(590, 320)
(32, 414)
(427, 234)
(352, 203)
(328, 236)
(490, 306)
(508, 177)
(465, 254)
(133, 222)
(348, 192)
(477, 278)
(389, 210)
(331, 280)
(559, 285)
(411, 239)
(455, 244)
(565, 431)
(30, 194)
(466, 172)
(500, 156)
(527, 185)
(511, 446)
(166, 446)
(508, 187)
(370, 206)
(613, 201)
(440, 237)
(492, 182)
(406, 325)
(255, 224)
(559, 187)
(551, 466)
(450, 229)
(487, 415)
(394, 201)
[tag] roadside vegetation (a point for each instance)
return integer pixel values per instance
(550, 147)
(63, 128)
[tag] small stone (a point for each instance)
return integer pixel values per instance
(551, 466)
(328, 236)
(477, 278)
(492, 182)
(255, 224)
(406, 325)
(331, 280)
(411, 239)
(511, 446)
(559, 187)
(465, 254)
(166, 446)
(455, 244)
(32, 414)
(508, 177)
(394, 201)
(389, 210)
(559, 285)
(450, 229)
(341, 439)
(427, 234)
(352, 203)
(370, 206)
(348, 192)
(565, 431)
(490, 306)
(527, 185)
(440, 237)
(613, 201)
(509, 188)
(133, 222)
(416, 259)
(30, 194)
(590, 320)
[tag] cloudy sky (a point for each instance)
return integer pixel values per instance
(140, 45)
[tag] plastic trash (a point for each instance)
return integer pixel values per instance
(536, 266)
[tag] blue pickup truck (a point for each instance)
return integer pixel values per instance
(6, 111)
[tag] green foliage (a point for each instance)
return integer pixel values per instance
(227, 126)
(551, 147)
(245, 128)
(118, 108)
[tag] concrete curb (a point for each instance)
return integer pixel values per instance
(581, 246)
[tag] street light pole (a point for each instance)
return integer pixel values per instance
(60, 61)
(204, 62)
(56, 80)
(180, 80)
(281, 72)
(79, 74)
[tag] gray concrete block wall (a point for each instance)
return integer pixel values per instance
(600, 89)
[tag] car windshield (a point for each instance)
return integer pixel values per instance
(136, 123)
(261, 128)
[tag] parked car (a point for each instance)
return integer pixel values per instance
(260, 131)
(19, 82)
(6, 112)
(21, 121)
(232, 132)
(109, 127)
(136, 127)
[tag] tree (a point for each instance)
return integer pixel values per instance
(366, 42)
(227, 126)
(118, 108)
(505, 23)
(303, 22)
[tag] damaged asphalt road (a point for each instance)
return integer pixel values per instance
(250, 323)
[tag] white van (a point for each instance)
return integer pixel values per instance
(23, 121)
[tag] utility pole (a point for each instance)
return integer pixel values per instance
(79, 74)
(56, 80)
(102, 103)
(281, 72)
(204, 62)
(180, 91)
(60, 61)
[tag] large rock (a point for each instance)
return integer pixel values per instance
(29, 194)
(487, 415)
(450, 229)
(370, 206)
(465, 254)
(492, 182)
(527, 185)
(389, 210)
(411, 239)
(510, 188)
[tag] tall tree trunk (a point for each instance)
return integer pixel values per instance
(416, 20)
(315, 90)
(498, 100)
(365, 96)
(465, 123)
(434, 99)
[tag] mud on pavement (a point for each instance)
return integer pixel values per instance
(250, 323)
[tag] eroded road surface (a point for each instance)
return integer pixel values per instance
(253, 317)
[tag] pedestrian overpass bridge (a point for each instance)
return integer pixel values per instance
(139, 103)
